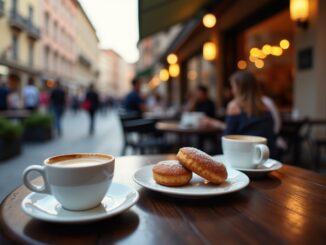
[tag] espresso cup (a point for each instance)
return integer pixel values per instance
(77, 181)
(243, 151)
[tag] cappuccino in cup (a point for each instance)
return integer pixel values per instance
(77, 181)
(244, 151)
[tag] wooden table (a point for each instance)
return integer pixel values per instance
(286, 207)
(174, 127)
(185, 133)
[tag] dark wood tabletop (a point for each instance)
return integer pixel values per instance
(286, 207)
(175, 127)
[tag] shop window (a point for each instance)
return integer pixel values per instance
(31, 53)
(266, 49)
(14, 47)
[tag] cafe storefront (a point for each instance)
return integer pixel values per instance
(263, 37)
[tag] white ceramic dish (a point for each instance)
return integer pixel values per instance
(45, 207)
(197, 188)
(262, 169)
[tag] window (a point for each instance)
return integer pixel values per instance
(46, 58)
(46, 20)
(14, 5)
(30, 53)
(14, 47)
(30, 13)
(55, 29)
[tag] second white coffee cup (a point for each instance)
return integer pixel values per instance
(78, 181)
(244, 151)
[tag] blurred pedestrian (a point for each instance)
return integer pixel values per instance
(4, 92)
(203, 103)
(92, 99)
(134, 101)
(44, 99)
(58, 103)
(31, 96)
(14, 100)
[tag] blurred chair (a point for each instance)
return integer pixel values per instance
(292, 133)
(315, 143)
(141, 135)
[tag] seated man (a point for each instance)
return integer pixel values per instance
(203, 103)
(133, 101)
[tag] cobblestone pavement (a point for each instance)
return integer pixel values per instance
(75, 138)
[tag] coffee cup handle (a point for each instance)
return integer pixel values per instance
(262, 153)
(36, 188)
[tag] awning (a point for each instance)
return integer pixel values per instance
(145, 72)
(158, 15)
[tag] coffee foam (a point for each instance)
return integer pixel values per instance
(80, 162)
(247, 138)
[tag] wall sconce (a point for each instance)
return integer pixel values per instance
(299, 11)
(174, 70)
(209, 51)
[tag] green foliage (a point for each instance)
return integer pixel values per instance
(9, 130)
(39, 120)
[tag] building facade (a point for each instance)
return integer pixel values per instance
(58, 38)
(115, 74)
(20, 41)
(86, 69)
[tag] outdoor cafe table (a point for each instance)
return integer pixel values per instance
(286, 207)
(185, 132)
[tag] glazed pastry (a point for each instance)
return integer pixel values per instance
(202, 164)
(171, 173)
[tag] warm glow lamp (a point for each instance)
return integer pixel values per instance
(242, 64)
(172, 59)
(299, 11)
(209, 51)
(164, 75)
(174, 70)
(209, 20)
(259, 64)
(267, 49)
(277, 51)
(284, 44)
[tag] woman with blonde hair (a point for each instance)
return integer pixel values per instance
(246, 114)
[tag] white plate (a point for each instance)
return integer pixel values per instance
(45, 207)
(268, 166)
(197, 188)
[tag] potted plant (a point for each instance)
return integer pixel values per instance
(38, 127)
(10, 139)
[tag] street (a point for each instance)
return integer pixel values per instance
(75, 138)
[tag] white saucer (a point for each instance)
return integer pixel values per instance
(268, 166)
(197, 188)
(45, 207)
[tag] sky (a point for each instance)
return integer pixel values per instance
(116, 23)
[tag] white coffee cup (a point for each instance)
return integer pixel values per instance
(78, 181)
(244, 151)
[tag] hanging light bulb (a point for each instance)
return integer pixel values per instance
(209, 51)
(209, 20)
(172, 59)
(174, 70)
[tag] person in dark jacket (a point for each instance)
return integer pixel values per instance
(203, 103)
(58, 103)
(92, 99)
(4, 92)
(133, 101)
